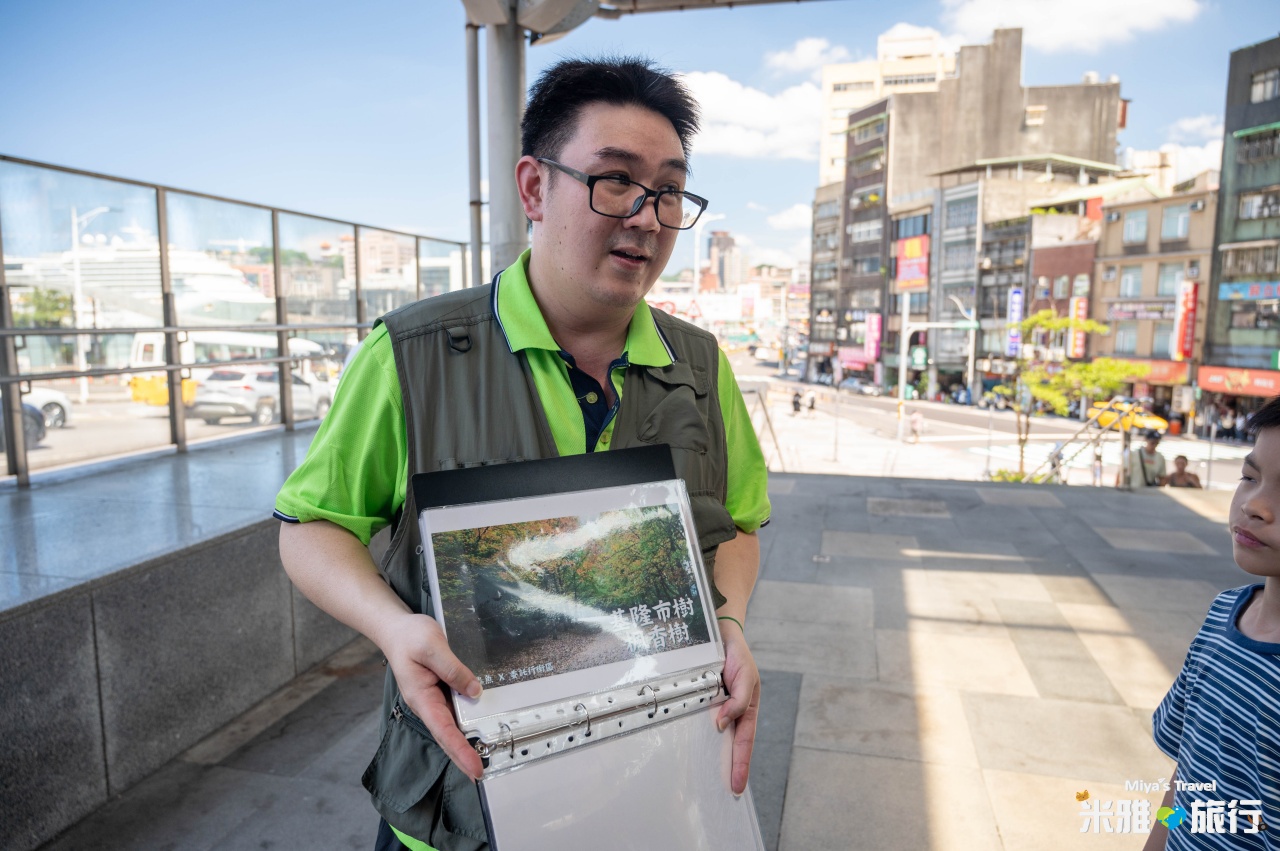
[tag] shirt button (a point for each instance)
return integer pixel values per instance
(592, 398)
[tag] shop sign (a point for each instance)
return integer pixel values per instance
(1141, 310)
(824, 316)
(1160, 372)
(919, 357)
(1013, 345)
(852, 357)
(1182, 341)
(1076, 342)
(821, 349)
(913, 264)
(871, 342)
(1238, 382)
(1249, 291)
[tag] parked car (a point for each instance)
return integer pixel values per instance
(54, 404)
(1130, 414)
(33, 428)
(254, 392)
(863, 388)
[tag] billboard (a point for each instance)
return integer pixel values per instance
(913, 264)
(1182, 341)
(1013, 345)
(1076, 342)
(871, 342)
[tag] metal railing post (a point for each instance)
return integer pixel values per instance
(172, 345)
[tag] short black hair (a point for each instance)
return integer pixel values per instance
(560, 92)
(1268, 416)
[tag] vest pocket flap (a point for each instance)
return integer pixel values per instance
(683, 374)
(407, 765)
(676, 421)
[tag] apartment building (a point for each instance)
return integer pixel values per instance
(1244, 331)
(1151, 271)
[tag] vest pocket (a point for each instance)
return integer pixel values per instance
(677, 421)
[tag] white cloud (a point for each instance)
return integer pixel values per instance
(744, 122)
(1190, 160)
(779, 257)
(1196, 128)
(795, 217)
(756, 207)
(1053, 26)
(808, 54)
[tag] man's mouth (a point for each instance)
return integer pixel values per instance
(630, 255)
(1240, 536)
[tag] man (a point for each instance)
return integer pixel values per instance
(1146, 465)
(559, 355)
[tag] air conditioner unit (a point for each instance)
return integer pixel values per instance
(1197, 206)
(1109, 273)
(1193, 269)
(1113, 216)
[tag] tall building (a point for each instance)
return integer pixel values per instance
(1244, 331)
(726, 261)
(914, 62)
(1153, 261)
(824, 285)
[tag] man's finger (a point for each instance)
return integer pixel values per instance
(744, 738)
(449, 668)
(438, 719)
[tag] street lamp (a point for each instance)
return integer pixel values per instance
(79, 221)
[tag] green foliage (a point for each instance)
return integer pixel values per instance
(44, 308)
(1015, 476)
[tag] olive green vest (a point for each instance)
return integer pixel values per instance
(469, 401)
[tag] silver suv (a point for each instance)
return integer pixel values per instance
(254, 392)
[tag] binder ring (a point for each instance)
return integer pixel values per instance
(511, 739)
(714, 674)
(586, 713)
(654, 692)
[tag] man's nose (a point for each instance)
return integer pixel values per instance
(646, 218)
(1260, 504)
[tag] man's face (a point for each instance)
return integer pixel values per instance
(1152, 444)
(610, 262)
(1255, 538)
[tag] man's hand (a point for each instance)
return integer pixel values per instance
(422, 662)
(742, 680)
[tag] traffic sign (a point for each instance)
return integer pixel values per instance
(967, 325)
(919, 357)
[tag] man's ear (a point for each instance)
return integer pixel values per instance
(531, 186)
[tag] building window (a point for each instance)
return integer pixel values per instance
(919, 303)
(957, 256)
(911, 226)
(1080, 286)
(1266, 85)
(1160, 342)
(1169, 279)
(1257, 147)
(1062, 286)
(1175, 222)
(910, 79)
(994, 302)
(1260, 205)
(866, 265)
(1126, 337)
(866, 198)
(1035, 116)
(867, 132)
(866, 231)
(1135, 226)
(867, 164)
(1130, 281)
(1250, 261)
(962, 213)
(858, 86)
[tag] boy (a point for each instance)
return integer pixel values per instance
(1221, 719)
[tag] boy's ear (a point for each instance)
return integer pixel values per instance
(531, 186)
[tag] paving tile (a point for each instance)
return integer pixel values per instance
(884, 719)
(797, 601)
(978, 584)
(1059, 662)
(985, 663)
(836, 801)
(1061, 738)
(880, 506)
(1020, 497)
(1154, 540)
(1180, 595)
(813, 648)
(861, 545)
(309, 814)
(1034, 811)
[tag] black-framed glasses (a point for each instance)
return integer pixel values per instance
(619, 197)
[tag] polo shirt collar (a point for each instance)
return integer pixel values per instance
(524, 328)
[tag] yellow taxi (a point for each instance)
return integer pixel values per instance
(1125, 413)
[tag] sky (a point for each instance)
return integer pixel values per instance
(358, 111)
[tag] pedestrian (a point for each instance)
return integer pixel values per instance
(1180, 478)
(795, 403)
(917, 425)
(558, 355)
(810, 400)
(1217, 721)
(1146, 465)
(1227, 424)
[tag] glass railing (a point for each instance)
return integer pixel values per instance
(114, 346)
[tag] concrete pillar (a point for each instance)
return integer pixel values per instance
(508, 228)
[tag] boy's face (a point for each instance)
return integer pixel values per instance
(1255, 535)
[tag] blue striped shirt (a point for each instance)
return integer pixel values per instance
(1221, 722)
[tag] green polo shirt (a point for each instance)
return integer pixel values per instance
(356, 473)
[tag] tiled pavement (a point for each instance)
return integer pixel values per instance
(946, 664)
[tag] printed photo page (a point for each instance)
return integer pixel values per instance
(549, 597)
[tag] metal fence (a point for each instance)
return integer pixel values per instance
(135, 317)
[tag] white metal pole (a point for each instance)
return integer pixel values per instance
(904, 336)
(504, 57)
(77, 300)
(473, 153)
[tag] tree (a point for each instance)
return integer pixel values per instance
(46, 308)
(1057, 385)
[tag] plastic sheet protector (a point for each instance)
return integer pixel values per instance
(586, 614)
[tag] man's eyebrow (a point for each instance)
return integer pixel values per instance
(631, 157)
(1248, 459)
